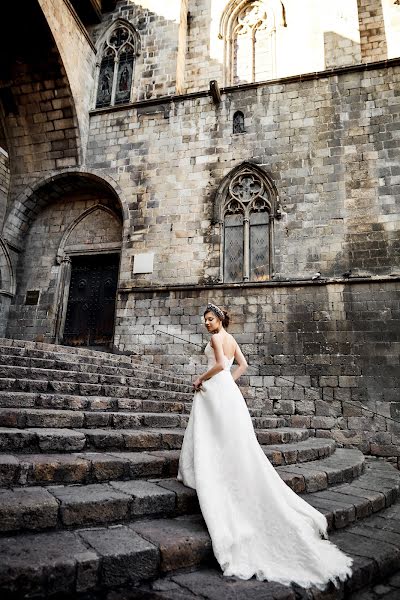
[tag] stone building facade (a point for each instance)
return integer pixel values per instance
(158, 155)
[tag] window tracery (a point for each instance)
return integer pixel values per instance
(248, 28)
(247, 215)
(118, 52)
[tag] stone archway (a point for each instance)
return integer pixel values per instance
(7, 285)
(69, 217)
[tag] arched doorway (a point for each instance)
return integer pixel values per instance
(68, 270)
(89, 256)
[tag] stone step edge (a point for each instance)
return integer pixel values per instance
(70, 376)
(34, 399)
(85, 388)
(66, 506)
(59, 349)
(100, 556)
(35, 356)
(372, 565)
(98, 467)
(36, 440)
(21, 417)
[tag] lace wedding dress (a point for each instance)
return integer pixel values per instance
(257, 524)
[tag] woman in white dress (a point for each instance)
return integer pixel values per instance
(258, 525)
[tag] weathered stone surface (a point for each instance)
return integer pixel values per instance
(140, 464)
(104, 467)
(171, 460)
(125, 556)
(94, 503)
(384, 554)
(186, 497)
(27, 508)
(182, 542)
(58, 440)
(214, 586)
(59, 562)
(16, 439)
(9, 469)
(147, 498)
(53, 468)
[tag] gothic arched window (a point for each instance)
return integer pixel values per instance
(117, 57)
(248, 28)
(246, 230)
(246, 207)
(238, 122)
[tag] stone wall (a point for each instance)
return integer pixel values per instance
(78, 57)
(312, 40)
(329, 144)
(39, 116)
(317, 353)
(4, 183)
(158, 26)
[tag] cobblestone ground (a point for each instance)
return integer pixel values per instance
(209, 584)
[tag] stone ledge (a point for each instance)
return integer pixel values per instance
(257, 284)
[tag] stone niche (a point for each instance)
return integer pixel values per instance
(69, 227)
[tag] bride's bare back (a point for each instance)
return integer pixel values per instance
(231, 350)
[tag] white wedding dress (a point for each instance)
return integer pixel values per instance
(258, 525)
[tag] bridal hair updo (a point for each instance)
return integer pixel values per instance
(218, 312)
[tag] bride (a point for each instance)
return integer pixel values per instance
(258, 525)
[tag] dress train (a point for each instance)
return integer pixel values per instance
(258, 525)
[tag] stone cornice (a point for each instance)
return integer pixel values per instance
(257, 284)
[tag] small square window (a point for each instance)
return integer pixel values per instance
(32, 297)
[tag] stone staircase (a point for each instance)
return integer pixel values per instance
(90, 504)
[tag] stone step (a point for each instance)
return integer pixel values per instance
(73, 562)
(94, 467)
(344, 465)
(8, 372)
(91, 403)
(84, 356)
(60, 506)
(90, 389)
(108, 403)
(54, 418)
(373, 543)
(59, 364)
(85, 467)
(58, 439)
(306, 450)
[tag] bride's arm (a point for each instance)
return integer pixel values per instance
(242, 363)
(216, 345)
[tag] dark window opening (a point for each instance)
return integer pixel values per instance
(32, 297)
(238, 122)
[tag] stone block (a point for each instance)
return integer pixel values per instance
(27, 508)
(183, 542)
(9, 469)
(56, 562)
(146, 498)
(125, 556)
(50, 468)
(94, 503)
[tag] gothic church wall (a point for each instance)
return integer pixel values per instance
(324, 127)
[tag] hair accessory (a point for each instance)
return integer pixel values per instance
(216, 310)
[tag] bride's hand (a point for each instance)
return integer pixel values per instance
(197, 384)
